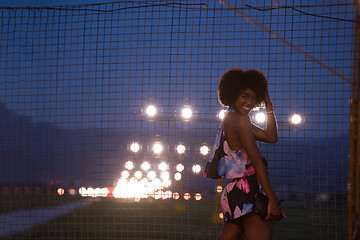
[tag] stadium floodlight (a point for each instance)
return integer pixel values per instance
(165, 176)
(138, 174)
(221, 114)
(180, 167)
(145, 166)
(177, 176)
(90, 192)
(83, 191)
(166, 195)
(151, 110)
(260, 117)
(129, 165)
(296, 119)
(196, 168)
(198, 196)
(72, 191)
(176, 195)
(157, 183)
(151, 175)
(166, 183)
(204, 150)
(187, 196)
(144, 181)
(157, 148)
(157, 195)
(180, 149)
(134, 147)
(186, 113)
(163, 166)
(125, 174)
(97, 192)
(101, 192)
(60, 191)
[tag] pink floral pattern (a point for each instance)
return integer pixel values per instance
(238, 196)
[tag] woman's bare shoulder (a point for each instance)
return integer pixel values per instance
(237, 120)
(236, 127)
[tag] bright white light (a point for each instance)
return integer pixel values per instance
(177, 176)
(134, 147)
(180, 149)
(60, 191)
(165, 176)
(151, 187)
(138, 174)
(198, 197)
(144, 181)
(163, 166)
(137, 189)
(196, 168)
(166, 183)
(296, 119)
(204, 150)
(145, 166)
(157, 183)
(180, 167)
(151, 111)
(219, 189)
(129, 165)
(186, 113)
(91, 192)
(105, 192)
(132, 188)
(158, 195)
(151, 175)
(187, 196)
(221, 215)
(221, 114)
(101, 192)
(125, 174)
(166, 195)
(260, 117)
(157, 148)
(82, 191)
(176, 195)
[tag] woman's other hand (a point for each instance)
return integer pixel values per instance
(275, 212)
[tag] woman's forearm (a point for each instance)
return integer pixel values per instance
(263, 178)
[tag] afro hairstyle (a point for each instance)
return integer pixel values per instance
(235, 80)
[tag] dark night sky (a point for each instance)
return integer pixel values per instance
(82, 69)
(96, 69)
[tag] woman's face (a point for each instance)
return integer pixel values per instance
(246, 101)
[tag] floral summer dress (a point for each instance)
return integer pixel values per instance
(238, 196)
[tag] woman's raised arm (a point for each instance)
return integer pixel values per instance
(270, 135)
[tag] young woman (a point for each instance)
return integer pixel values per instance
(243, 162)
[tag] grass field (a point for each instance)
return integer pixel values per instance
(170, 219)
(11, 202)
